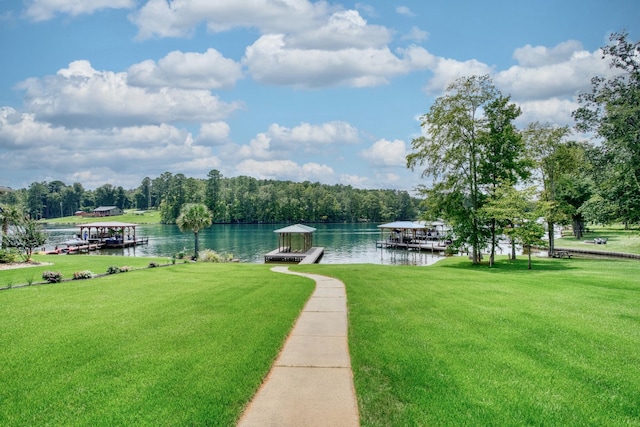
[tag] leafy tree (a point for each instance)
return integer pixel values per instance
(9, 215)
(27, 234)
(612, 111)
(554, 158)
(503, 158)
(194, 217)
(452, 152)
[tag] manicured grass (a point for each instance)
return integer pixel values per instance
(149, 217)
(618, 240)
(68, 264)
(454, 344)
(187, 344)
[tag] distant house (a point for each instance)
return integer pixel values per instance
(107, 211)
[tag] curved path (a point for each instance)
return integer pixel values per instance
(311, 383)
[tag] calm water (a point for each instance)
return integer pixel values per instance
(343, 243)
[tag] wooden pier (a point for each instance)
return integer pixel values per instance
(311, 256)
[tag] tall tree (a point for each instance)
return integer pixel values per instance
(503, 157)
(554, 157)
(27, 235)
(612, 111)
(451, 151)
(194, 217)
(9, 215)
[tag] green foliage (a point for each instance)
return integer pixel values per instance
(113, 269)
(153, 265)
(7, 256)
(26, 235)
(209, 255)
(194, 217)
(52, 276)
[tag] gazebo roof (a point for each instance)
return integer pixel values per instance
(109, 224)
(298, 228)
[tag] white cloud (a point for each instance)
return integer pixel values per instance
(446, 71)
(285, 170)
(345, 29)
(416, 34)
(354, 180)
(550, 74)
(42, 10)
(308, 134)
(191, 70)
(552, 110)
(80, 96)
(529, 56)
(178, 18)
(404, 10)
(271, 61)
(386, 153)
(213, 133)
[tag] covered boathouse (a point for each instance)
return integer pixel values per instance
(420, 235)
(295, 245)
(111, 234)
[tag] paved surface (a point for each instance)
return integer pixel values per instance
(311, 383)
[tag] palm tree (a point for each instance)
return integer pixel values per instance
(9, 215)
(194, 217)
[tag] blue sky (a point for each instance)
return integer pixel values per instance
(111, 91)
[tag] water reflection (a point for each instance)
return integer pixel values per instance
(343, 243)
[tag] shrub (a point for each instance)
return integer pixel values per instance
(153, 264)
(125, 268)
(79, 275)
(113, 270)
(209, 255)
(7, 256)
(52, 276)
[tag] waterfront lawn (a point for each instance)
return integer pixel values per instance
(68, 264)
(149, 217)
(454, 344)
(618, 240)
(187, 344)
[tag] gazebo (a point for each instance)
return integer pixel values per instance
(287, 242)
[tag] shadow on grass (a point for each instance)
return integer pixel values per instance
(519, 265)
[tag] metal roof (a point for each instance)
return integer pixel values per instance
(411, 225)
(298, 228)
(110, 224)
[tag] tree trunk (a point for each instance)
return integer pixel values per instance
(513, 249)
(550, 229)
(195, 252)
(529, 265)
(493, 243)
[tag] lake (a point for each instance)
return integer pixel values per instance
(343, 243)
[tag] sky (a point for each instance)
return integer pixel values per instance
(112, 91)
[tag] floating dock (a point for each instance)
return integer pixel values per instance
(422, 246)
(312, 256)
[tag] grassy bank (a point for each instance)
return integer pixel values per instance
(181, 345)
(149, 217)
(454, 344)
(618, 240)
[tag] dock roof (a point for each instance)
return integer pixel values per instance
(404, 225)
(298, 228)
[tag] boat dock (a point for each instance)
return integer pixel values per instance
(312, 256)
(432, 246)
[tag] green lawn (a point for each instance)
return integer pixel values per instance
(454, 344)
(149, 217)
(618, 240)
(187, 344)
(68, 264)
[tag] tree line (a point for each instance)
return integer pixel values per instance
(239, 199)
(489, 178)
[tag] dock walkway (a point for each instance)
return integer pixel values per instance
(311, 256)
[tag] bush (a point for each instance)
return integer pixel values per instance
(52, 276)
(153, 264)
(209, 255)
(113, 270)
(7, 256)
(125, 268)
(79, 275)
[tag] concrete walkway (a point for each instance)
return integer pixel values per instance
(311, 383)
